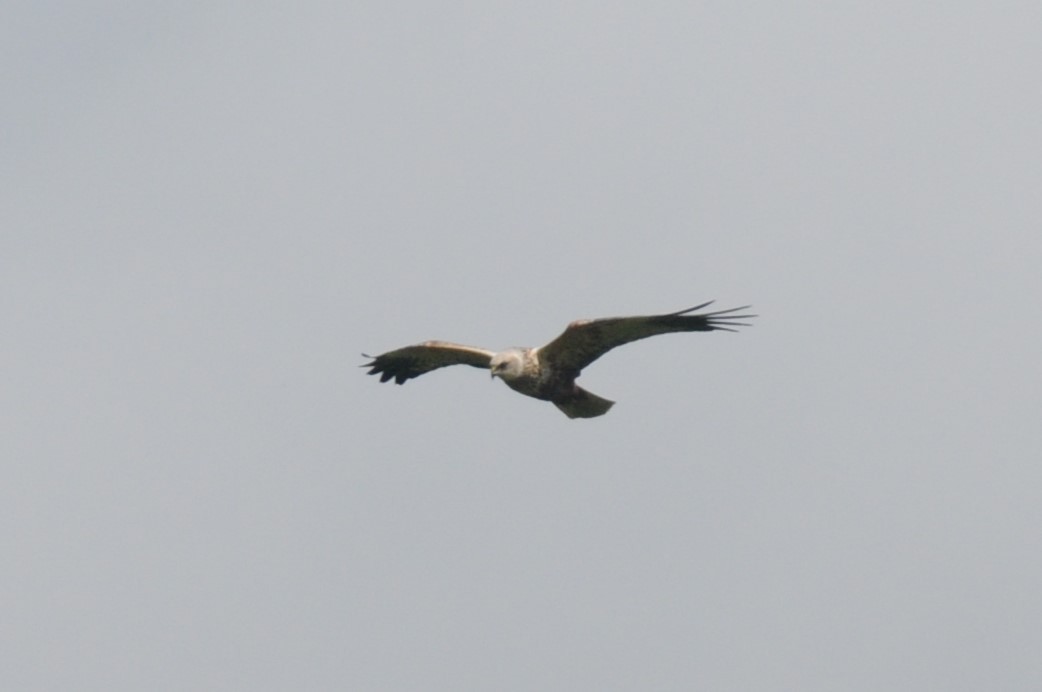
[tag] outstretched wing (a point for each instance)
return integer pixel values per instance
(412, 361)
(587, 340)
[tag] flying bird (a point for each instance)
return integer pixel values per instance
(549, 372)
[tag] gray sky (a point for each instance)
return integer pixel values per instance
(209, 210)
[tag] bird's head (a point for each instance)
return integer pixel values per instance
(507, 365)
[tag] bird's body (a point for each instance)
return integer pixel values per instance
(547, 383)
(549, 372)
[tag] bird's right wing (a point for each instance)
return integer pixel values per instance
(412, 361)
(585, 341)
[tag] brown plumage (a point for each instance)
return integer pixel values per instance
(549, 372)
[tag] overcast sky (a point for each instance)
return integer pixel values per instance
(209, 210)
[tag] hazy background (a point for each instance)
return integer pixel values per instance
(208, 210)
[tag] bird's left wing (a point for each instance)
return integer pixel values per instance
(412, 361)
(587, 340)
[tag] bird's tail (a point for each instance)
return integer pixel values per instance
(581, 404)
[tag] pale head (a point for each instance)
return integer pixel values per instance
(507, 365)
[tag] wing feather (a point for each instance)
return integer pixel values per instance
(412, 361)
(587, 340)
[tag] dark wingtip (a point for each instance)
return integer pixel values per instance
(375, 367)
(720, 320)
(386, 370)
(724, 320)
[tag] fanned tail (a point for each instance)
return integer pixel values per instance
(582, 404)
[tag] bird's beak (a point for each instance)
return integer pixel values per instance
(492, 374)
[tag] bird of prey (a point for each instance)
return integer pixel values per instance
(549, 372)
